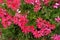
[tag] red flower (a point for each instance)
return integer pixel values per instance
(13, 4)
(6, 18)
(1, 1)
(57, 19)
(6, 21)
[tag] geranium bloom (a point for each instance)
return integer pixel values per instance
(13, 4)
(37, 5)
(6, 21)
(43, 23)
(57, 19)
(1, 1)
(44, 27)
(20, 19)
(6, 18)
(55, 37)
(46, 31)
(56, 5)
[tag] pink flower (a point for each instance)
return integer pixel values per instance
(46, 31)
(43, 23)
(13, 4)
(2, 12)
(20, 20)
(1, 1)
(37, 5)
(23, 21)
(5, 22)
(44, 27)
(6, 18)
(26, 29)
(56, 5)
(55, 37)
(57, 19)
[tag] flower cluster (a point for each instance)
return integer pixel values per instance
(21, 20)
(13, 4)
(43, 23)
(37, 4)
(55, 37)
(44, 28)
